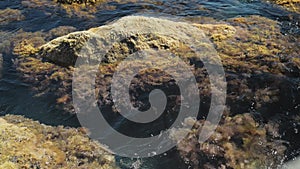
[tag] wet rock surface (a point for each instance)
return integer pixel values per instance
(262, 72)
(28, 144)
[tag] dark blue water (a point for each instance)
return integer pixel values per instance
(16, 97)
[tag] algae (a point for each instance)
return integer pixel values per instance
(238, 142)
(9, 15)
(28, 144)
(261, 66)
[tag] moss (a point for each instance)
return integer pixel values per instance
(28, 144)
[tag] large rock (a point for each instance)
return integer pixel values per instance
(66, 49)
(28, 144)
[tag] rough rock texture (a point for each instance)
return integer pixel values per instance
(28, 144)
(262, 68)
(64, 50)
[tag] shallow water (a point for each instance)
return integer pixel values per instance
(17, 96)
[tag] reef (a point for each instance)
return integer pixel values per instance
(261, 64)
(25, 143)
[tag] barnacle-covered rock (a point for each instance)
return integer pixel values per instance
(28, 144)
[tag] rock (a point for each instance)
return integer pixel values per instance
(246, 51)
(28, 144)
(64, 50)
(259, 62)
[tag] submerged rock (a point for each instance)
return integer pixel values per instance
(9, 15)
(28, 144)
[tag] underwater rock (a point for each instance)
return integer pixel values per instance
(22, 43)
(9, 15)
(28, 144)
(60, 31)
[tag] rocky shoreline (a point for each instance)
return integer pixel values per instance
(262, 72)
(260, 55)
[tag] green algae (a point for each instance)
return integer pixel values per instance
(28, 144)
